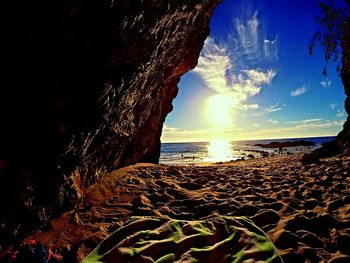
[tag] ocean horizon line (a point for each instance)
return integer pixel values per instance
(265, 139)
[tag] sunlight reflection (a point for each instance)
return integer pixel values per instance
(219, 150)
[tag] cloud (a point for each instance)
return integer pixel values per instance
(326, 83)
(333, 105)
(270, 48)
(249, 42)
(249, 106)
(304, 121)
(272, 121)
(172, 134)
(273, 108)
(213, 65)
(248, 33)
(303, 128)
(259, 77)
(315, 123)
(299, 91)
(340, 114)
(248, 83)
(216, 69)
(311, 129)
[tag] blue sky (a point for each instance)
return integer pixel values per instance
(255, 79)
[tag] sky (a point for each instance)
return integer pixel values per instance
(255, 79)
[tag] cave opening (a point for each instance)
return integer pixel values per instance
(255, 80)
(112, 70)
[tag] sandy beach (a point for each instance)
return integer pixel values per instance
(303, 209)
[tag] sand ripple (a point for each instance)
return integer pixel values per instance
(304, 209)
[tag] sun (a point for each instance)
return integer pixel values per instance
(219, 110)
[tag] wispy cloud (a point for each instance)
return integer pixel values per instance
(256, 125)
(340, 114)
(304, 121)
(299, 91)
(249, 41)
(333, 105)
(248, 32)
(270, 48)
(320, 124)
(272, 121)
(326, 83)
(273, 108)
(325, 127)
(249, 106)
(216, 69)
(172, 134)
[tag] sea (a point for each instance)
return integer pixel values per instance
(222, 151)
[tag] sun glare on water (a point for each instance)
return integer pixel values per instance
(219, 150)
(220, 115)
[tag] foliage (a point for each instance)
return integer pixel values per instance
(332, 21)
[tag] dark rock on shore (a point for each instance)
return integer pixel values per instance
(328, 149)
(286, 144)
(310, 158)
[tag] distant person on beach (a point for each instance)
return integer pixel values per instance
(182, 155)
(280, 150)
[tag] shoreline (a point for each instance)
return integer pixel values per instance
(258, 154)
(225, 150)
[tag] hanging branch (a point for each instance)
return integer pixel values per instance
(332, 28)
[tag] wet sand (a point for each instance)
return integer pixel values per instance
(303, 209)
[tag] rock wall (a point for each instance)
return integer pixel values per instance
(341, 145)
(92, 84)
(343, 137)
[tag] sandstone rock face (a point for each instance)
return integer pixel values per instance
(96, 83)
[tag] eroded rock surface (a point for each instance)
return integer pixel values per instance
(93, 85)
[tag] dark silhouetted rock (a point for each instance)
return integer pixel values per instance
(343, 137)
(286, 144)
(328, 149)
(92, 84)
(310, 158)
(265, 154)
